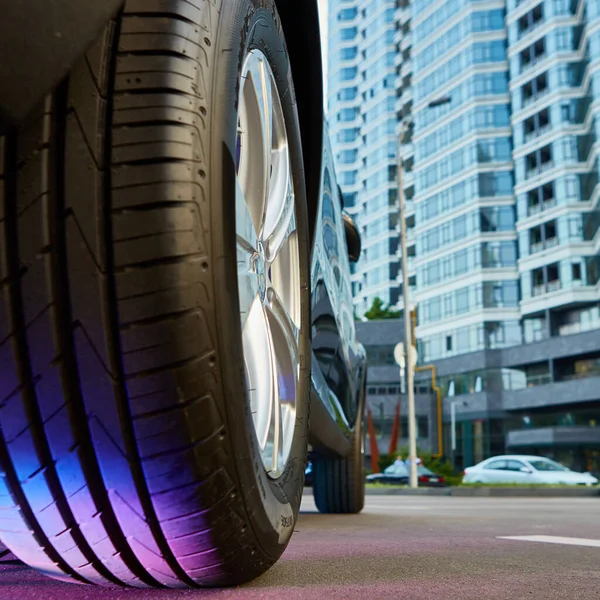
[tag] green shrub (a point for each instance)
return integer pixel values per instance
(440, 466)
(385, 460)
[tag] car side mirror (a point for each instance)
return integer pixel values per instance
(526, 470)
(341, 196)
(353, 240)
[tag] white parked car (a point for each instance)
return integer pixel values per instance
(526, 470)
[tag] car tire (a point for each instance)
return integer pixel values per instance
(129, 452)
(339, 483)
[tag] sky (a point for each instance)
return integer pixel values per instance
(323, 16)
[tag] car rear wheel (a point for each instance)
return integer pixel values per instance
(339, 483)
(154, 306)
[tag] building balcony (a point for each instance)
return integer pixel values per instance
(546, 245)
(533, 63)
(538, 133)
(554, 286)
(531, 28)
(536, 209)
(403, 16)
(542, 288)
(540, 169)
(552, 436)
(535, 97)
(561, 392)
(406, 42)
(406, 68)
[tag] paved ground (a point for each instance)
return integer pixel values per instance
(442, 548)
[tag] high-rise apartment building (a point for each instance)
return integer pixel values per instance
(363, 126)
(502, 188)
(500, 182)
(466, 254)
(553, 51)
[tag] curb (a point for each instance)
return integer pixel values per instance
(484, 492)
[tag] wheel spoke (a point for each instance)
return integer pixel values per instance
(279, 217)
(281, 322)
(262, 381)
(255, 135)
(285, 338)
(246, 249)
(268, 258)
(285, 278)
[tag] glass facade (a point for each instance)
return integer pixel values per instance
(553, 51)
(363, 122)
(466, 241)
(503, 213)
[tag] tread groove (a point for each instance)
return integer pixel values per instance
(16, 316)
(162, 15)
(158, 262)
(111, 319)
(65, 346)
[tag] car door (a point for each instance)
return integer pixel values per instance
(515, 474)
(494, 471)
(341, 358)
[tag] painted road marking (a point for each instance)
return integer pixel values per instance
(552, 539)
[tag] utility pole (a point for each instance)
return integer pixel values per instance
(410, 351)
(410, 372)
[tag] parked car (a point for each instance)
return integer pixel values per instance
(517, 468)
(308, 475)
(170, 213)
(397, 474)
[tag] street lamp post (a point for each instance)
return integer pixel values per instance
(453, 404)
(410, 366)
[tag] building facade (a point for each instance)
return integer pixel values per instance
(363, 122)
(539, 398)
(466, 243)
(503, 216)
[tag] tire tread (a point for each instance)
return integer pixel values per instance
(92, 483)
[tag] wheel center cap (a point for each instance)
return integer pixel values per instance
(258, 267)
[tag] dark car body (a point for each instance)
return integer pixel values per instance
(397, 474)
(39, 42)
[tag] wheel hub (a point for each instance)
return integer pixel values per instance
(268, 260)
(258, 268)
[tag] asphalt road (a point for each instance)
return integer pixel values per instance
(405, 548)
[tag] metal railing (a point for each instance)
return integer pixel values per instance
(537, 247)
(554, 286)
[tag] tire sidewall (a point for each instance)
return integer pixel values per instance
(271, 505)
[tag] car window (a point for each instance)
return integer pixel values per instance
(400, 470)
(515, 465)
(424, 471)
(389, 470)
(495, 465)
(547, 465)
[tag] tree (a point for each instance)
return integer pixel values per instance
(379, 311)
